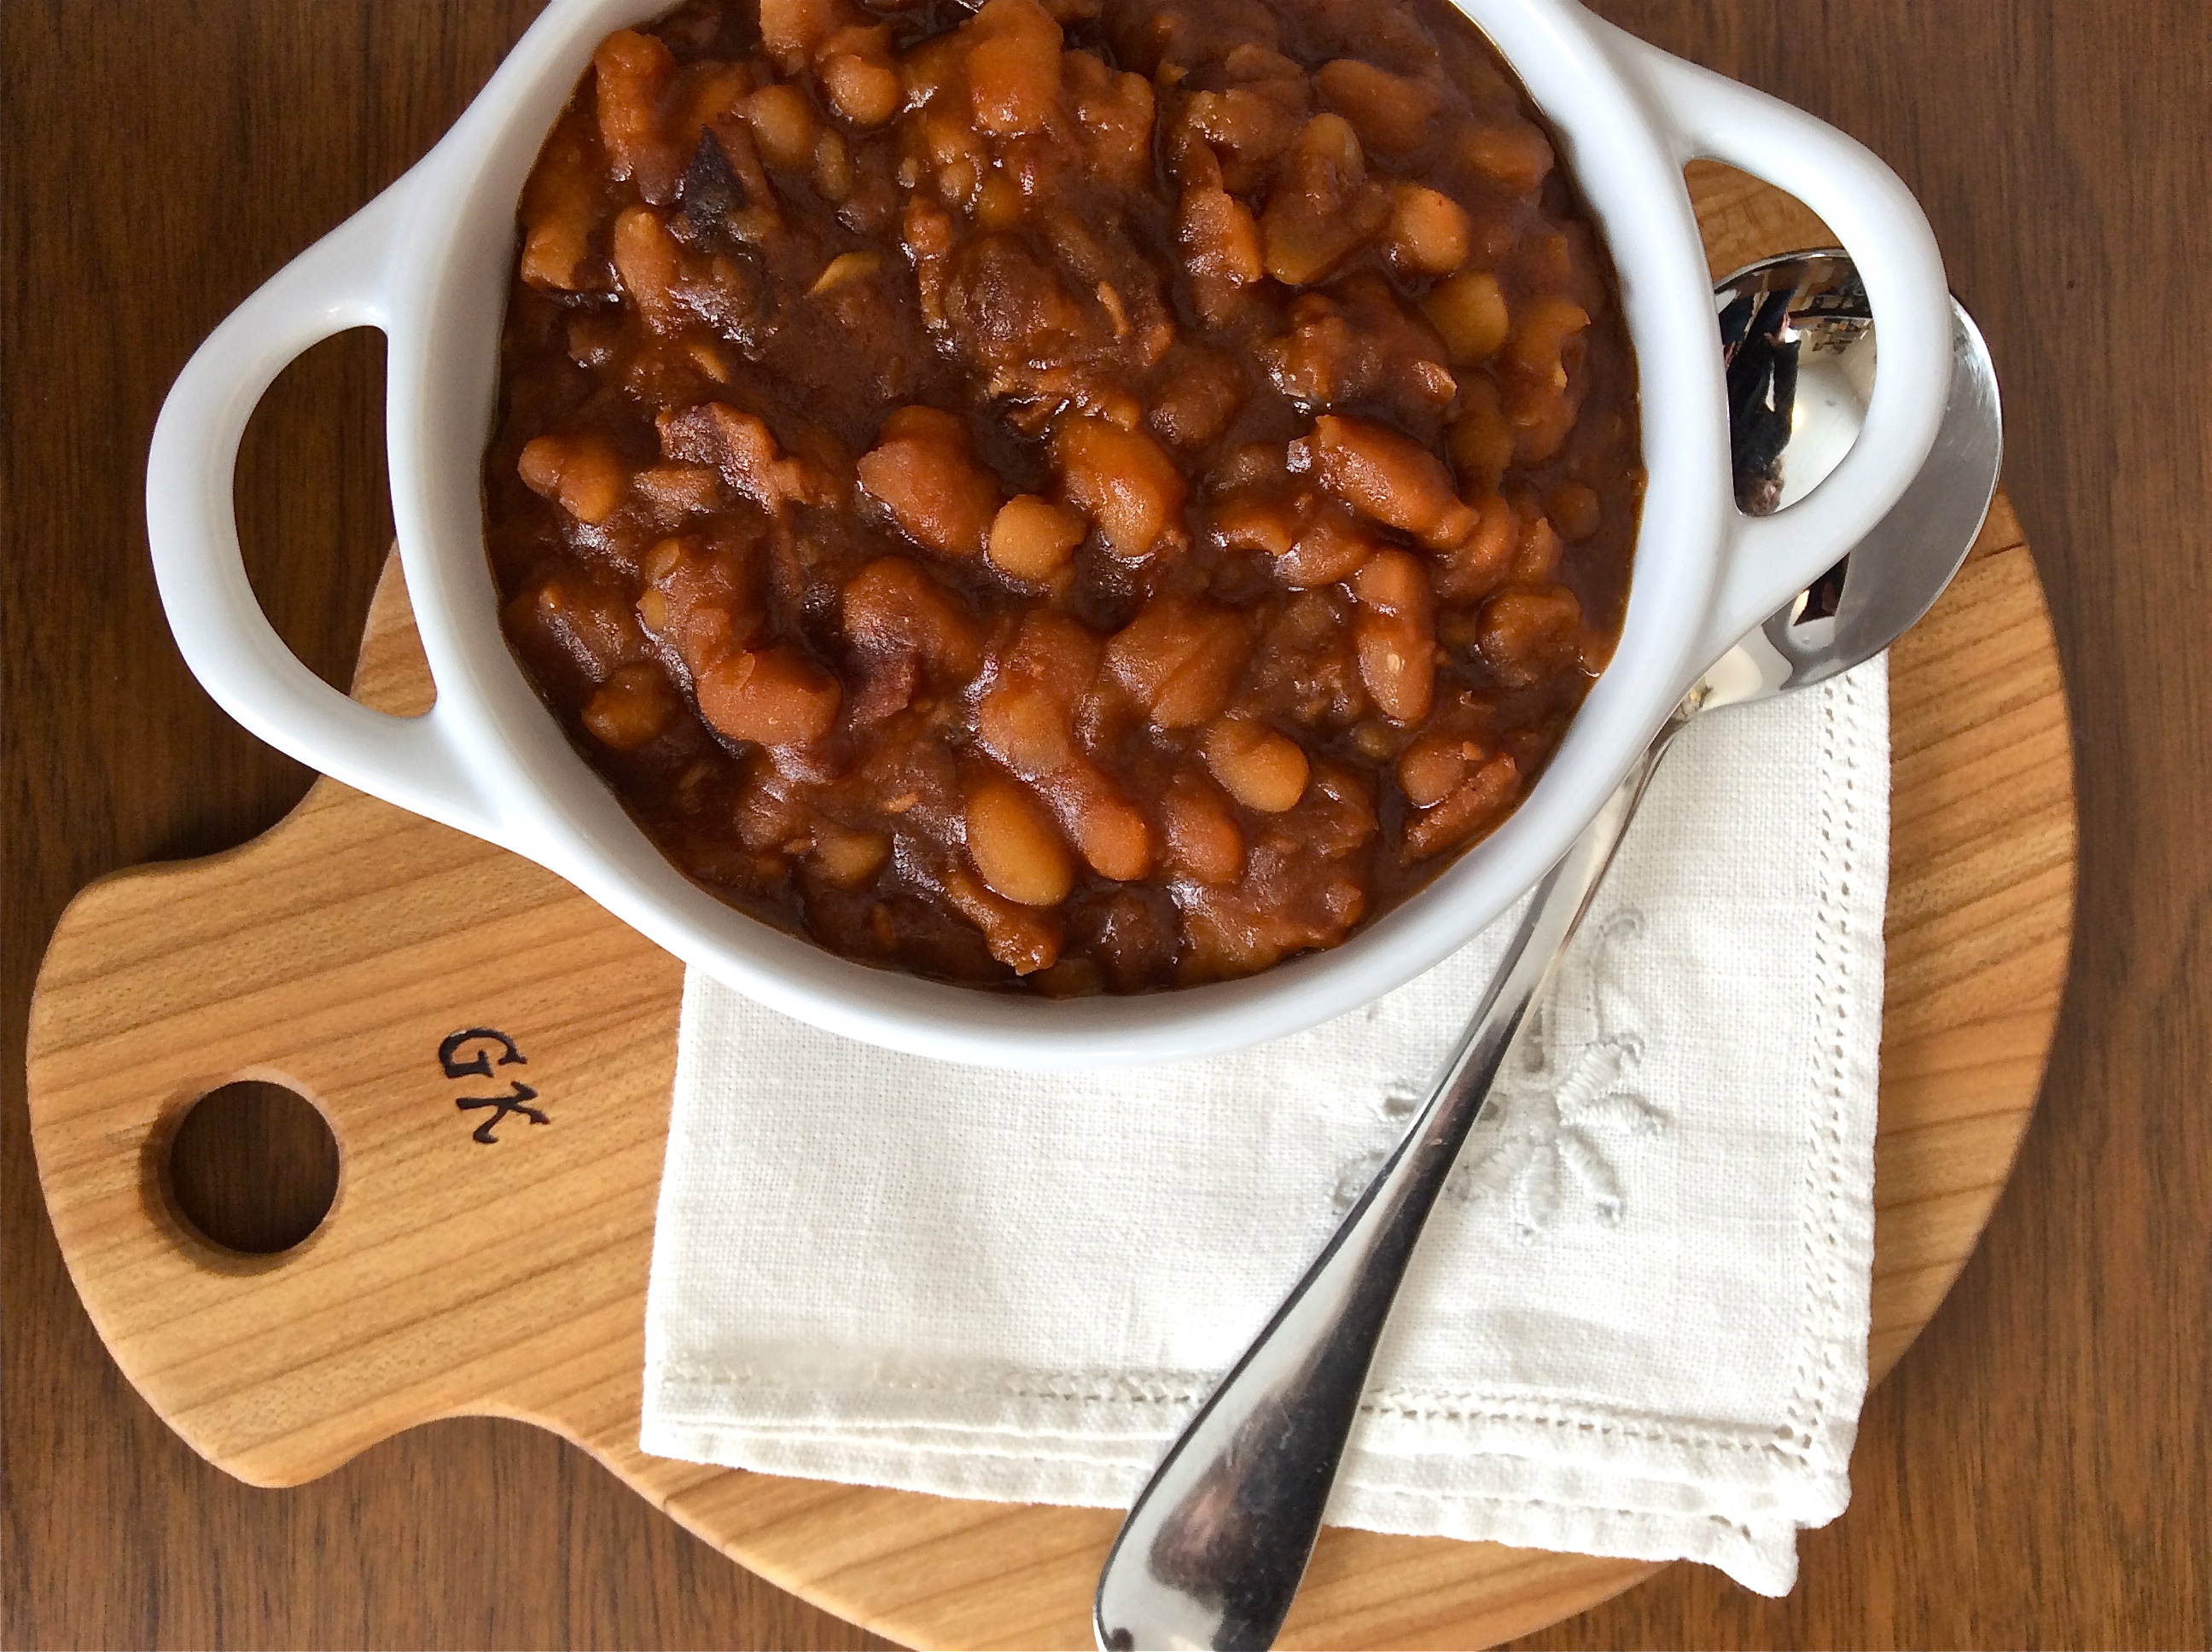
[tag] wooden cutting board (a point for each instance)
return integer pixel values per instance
(392, 970)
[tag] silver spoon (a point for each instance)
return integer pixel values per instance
(1214, 1548)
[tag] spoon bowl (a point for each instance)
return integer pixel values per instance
(1799, 342)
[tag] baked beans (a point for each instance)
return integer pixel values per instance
(1075, 495)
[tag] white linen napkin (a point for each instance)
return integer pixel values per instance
(1636, 1325)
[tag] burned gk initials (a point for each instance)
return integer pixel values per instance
(478, 1064)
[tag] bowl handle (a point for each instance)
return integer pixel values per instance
(1882, 227)
(192, 524)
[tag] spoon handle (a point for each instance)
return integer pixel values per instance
(1214, 1547)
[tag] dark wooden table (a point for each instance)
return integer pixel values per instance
(2038, 1471)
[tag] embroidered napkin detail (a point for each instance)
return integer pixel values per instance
(1637, 1326)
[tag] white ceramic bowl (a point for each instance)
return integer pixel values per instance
(429, 260)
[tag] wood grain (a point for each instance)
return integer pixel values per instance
(2040, 1461)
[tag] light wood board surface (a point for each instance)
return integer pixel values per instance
(337, 952)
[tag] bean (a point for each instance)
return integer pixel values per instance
(555, 247)
(865, 91)
(1022, 939)
(1202, 838)
(1197, 401)
(1481, 440)
(850, 860)
(1357, 343)
(1114, 112)
(1246, 521)
(631, 707)
(1435, 763)
(1125, 483)
(1482, 560)
(1387, 477)
(893, 604)
(1512, 151)
(1536, 348)
(633, 70)
(1015, 846)
(998, 203)
(1219, 236)
(1478, 801)
(581, 474)
(1025, 728)
(1427, 234)
(1131, 260)
(1237, 929)
(1395, 633)
(593, 339)
(1234, 137)
(1059, 651)
(1110, 831)
(833, 175)
(1025, 721)
(926, 475)
(696, 601)
(1468, 313)
(947, 139)
(775, 696)
(1033, 538)
(706, 93)
(708, 360)
(858, 76)
(585, 620)
(844, 268)
(783, 126)
(770, 815)
(1526, 635)
(560, 212)
(651, 266)
(1543, 418)
(1392, 114)
(1013, 71)
(1180, 659)
(1374, 741)
(1261, 767)
(677, 491)
(1323, 208)
(1537, 556)
(918, 421)
(791, 30)
(743, 448)
(1332, 548)
(1574, 510)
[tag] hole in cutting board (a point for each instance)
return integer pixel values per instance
(254, 1167)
